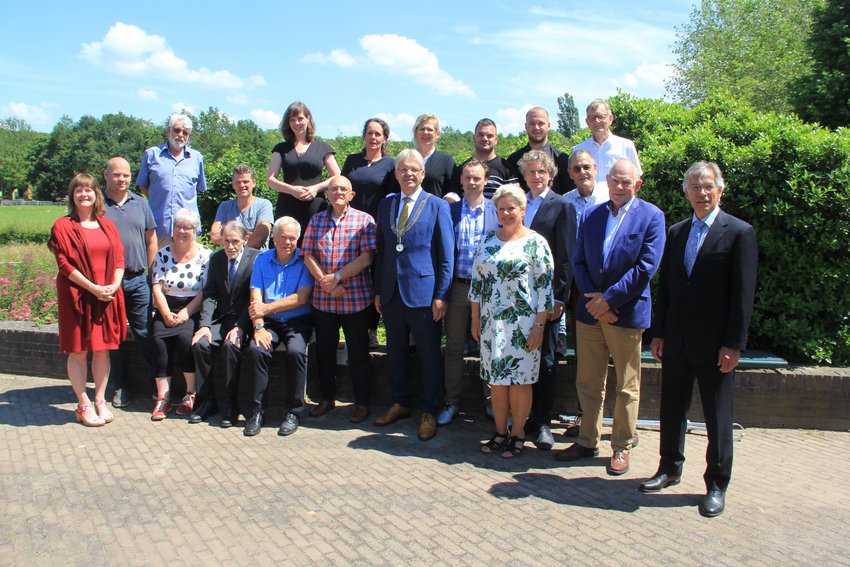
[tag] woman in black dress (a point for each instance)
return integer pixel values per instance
(439, 166)
(302, 160)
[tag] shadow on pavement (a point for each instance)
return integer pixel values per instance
(40, 404)
(590, 492)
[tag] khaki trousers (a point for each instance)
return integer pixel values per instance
(457, 322)
(594, 343)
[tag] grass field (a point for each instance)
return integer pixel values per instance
(31, 219)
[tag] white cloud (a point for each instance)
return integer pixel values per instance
(339, 57)
(646, 75)
(547, 12)
(512, 120)
(255, 81)
(147, 94)
(36, 115)
(266, 118)
(399, 55)
(183, 107)
(399, 123)
(237, 99)
(129, 50)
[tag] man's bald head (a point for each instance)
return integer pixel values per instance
(117, 175)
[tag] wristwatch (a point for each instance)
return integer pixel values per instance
(260, 325)
(337, 277)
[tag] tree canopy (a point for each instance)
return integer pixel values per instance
(568, 120)
(823, 95)
(753, 49)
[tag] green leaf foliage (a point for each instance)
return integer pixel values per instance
(791, 181)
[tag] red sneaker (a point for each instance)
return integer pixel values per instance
(186, 404)
(161, 409)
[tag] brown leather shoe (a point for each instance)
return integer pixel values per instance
(575, 452)
(396, 412)
(619, 463)
(360, 414)
(427, 426)
(324, 407)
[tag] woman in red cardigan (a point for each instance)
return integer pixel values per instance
(90, 257)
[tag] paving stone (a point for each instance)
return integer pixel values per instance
(141, 493)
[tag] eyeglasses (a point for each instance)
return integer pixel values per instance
(184, 131)
(338, 189)
(582, 167)
(179, 227)
(598, 117)
(407, 170)
(708, 188)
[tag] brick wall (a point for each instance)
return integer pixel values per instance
(799, 397)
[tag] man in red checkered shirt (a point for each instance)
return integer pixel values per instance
(338, 249)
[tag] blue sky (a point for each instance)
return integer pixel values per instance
(348, 61)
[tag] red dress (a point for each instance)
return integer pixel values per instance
(85, 323)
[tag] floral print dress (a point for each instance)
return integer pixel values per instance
(512, 282)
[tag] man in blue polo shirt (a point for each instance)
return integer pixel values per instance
(137, 229)
(171, 176)
(280, 287)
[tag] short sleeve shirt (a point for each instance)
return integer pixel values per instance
(276, 281)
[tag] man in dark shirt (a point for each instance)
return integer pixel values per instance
(499, 171)
(537, 126)
(136, 226)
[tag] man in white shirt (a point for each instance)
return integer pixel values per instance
(605, 147)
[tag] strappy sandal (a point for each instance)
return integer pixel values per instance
(81, 412)
(103, 411)
(513, 448)
(495, 444)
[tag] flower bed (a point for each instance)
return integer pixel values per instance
(28, 292)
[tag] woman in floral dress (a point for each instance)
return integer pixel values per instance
(511, 295)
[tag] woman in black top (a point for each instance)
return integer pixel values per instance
(439, 166)
(302, 160)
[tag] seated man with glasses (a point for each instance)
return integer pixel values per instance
(605, 147)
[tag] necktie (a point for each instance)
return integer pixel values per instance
(231, 273)
(405, 212)
(692, 247)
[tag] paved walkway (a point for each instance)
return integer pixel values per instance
(140, 493)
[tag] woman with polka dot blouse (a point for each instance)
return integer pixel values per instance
(177, 279)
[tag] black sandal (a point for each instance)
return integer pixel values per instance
(513, 448)
(495, 444)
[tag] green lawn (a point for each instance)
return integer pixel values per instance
(30, 218)
(21, 224)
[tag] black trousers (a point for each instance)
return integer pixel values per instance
(356, 329)
(543, 391)
(294, 334)
(715, 390)
(202, 351)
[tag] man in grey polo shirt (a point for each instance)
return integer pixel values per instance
(136, 226)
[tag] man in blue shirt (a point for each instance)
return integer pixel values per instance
(280, 287)
(171, 176)
(472, 217)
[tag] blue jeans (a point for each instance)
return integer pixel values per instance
(137, 303)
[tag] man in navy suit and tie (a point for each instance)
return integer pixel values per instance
(413, 271)
(224, 321)
(702, 313)
(618, 251)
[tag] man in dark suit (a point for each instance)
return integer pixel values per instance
(413, 272)
(618, 251)
(702, 313)
(224, 322)
(552, 217)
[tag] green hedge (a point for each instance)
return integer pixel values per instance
(791, 181)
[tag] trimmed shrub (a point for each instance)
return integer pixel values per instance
(791, 181)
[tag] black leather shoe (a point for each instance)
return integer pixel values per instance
(207, 409)
(659, 481)
(713, 503)
(289, 425)
(255, 422)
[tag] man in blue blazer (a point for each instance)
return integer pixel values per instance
(702, 314)
(618, 251)
(413, 272)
